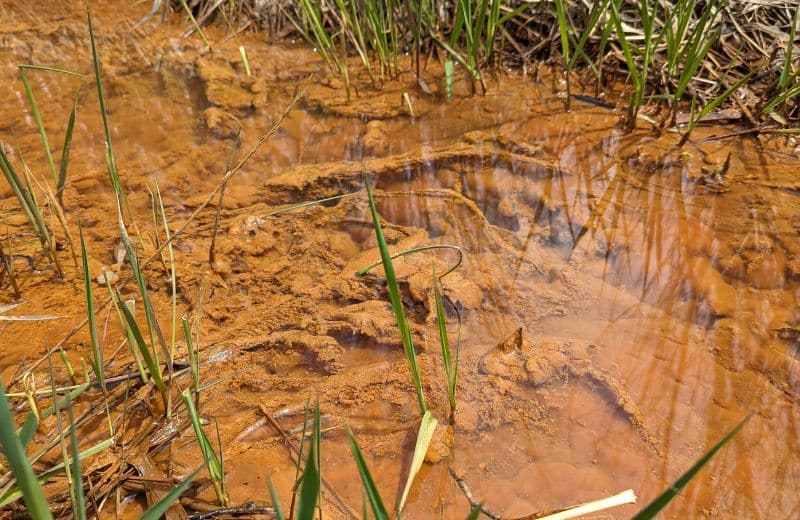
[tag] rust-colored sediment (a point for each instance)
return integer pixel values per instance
(656, 298)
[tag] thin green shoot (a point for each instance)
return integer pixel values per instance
(298, 475)
(132, 344)
(67, 365)
(276, 502)
(149, 360)
(62, 437)
(195, 24)
(397, 303)
(312, 476)
(450, 365)
(786, 71)
(194, 356)
(210, 456)
(172, 276)
(62, 170)
(663, 499)
(598, 9)
(373, 495)
(564, 30)
(77, 475)
(37, 117)
(370, 267)
(239, 44)
(97, 354)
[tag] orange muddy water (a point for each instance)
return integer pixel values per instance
(624, 302)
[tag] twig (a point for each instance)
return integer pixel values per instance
(472, 502)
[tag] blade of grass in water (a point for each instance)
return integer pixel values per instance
(15, 455)
(212, 460)
(312, 476)
(397, 303)
(37, 117)
(62, 170)
(149, 361)
(460, 251)
(663, 499)
(77, 476)
(196, 25)
(276, 503)
(450, 369)
(563, 30)
(97, 355)
(426, 428)
(371, 489)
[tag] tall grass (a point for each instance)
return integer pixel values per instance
(397, 303)
(30, 206)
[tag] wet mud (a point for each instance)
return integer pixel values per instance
(623, 302)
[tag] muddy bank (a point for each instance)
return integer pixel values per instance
(624, 302)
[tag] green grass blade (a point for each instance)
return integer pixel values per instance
(212, 460)
(662, 500)
(195, 24)
(194, 362)
(412, 250)
(152, 366)
(52, 69)
(312, 476)
(445, 343)
(159, 508)
(15, 455)
(97, 361)
(366, 479)
(426, 428)
(276, 503)
(110, 160)
(37, 117)
(77, 475)
(786, 71)
(28, 429)
(397, 303)
(62, 170)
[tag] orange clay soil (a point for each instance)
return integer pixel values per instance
(624, 302)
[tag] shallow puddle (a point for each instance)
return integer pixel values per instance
(624, 302)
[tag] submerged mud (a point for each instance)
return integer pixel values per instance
(623, 302)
